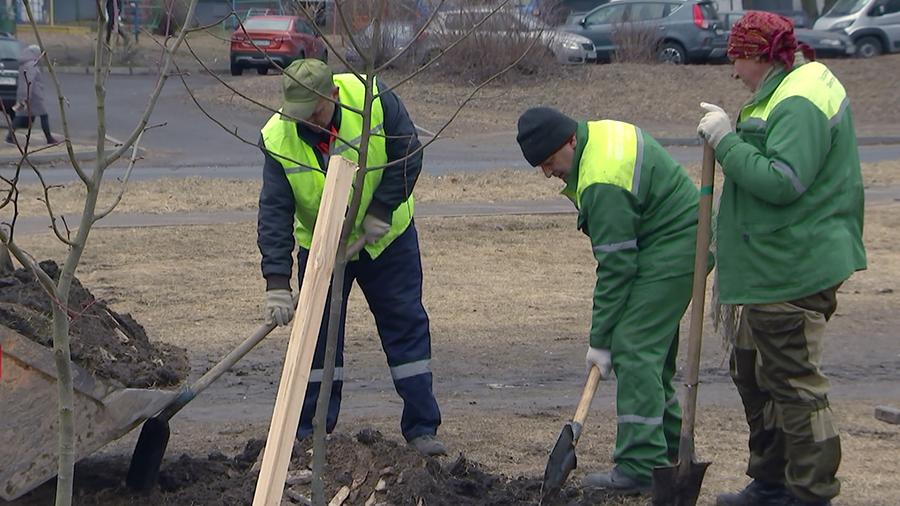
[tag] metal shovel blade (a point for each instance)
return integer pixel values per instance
(678, 484)
(561, 462)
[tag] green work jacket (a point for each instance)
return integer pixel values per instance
(790, 219)
(307, 178)
(639, 208)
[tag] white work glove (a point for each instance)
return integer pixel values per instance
(600, 357)
(279, 307)
(715, 125)
(375, 228)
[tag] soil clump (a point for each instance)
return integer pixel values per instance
(103, 342)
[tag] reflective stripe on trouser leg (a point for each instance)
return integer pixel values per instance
(392, 284)
(643, 355)
(311, 395)
(789, 338)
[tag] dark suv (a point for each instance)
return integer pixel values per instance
(682, 31)
(10, 47)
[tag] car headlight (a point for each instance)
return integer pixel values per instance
(831, 42)
(842, 25)
(571, 44)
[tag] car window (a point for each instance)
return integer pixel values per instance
(501, 22)
(891, 6)
(647, 12)
(267, 24)
(10, 49)
(709, 10)
(845, 7)
(302, 26)
(609, 14)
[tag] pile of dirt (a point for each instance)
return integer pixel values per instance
(105, 343)
(365, 470)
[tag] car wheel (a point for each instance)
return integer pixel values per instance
(262, 70)
(868, 47)
(672, 52)
(236, 69)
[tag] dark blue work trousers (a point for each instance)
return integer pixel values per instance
(392, 285)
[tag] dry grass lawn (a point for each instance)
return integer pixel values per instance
(505, 294)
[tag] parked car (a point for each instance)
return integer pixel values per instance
(10, 47)
(826, 44)
(282, 38)
(557, 12)
(396, 37)
(687, 30)
(800, 18)
(873, 25)
(510, 24)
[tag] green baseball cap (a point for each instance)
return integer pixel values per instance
(300, 99)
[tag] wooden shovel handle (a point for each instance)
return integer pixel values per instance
(590, 388)
(701, 255)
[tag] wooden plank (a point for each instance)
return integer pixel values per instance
(305, 331)
(888, 414)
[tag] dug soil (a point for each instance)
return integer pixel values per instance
(103, 342)
(365, 469)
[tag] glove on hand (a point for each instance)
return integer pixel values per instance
(375, 228)
(602, 358)
(715, 125)
(279, 307)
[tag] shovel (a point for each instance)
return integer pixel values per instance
(679, 484)
(151, 446)
(562, 459)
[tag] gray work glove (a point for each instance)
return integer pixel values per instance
(602, 358)
(279, 307)
(375, 228)
(715, 125)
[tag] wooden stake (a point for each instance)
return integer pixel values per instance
(304, 333)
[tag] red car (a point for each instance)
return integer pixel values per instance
(283, 38)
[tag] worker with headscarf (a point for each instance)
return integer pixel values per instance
(789, 232)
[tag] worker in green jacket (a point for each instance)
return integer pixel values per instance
(789, 233)
(639, 208)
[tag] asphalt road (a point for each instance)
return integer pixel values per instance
(187, 142)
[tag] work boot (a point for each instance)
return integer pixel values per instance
(758, 493)
(428, 444)
(616, 480)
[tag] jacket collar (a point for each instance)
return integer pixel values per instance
(581, 139)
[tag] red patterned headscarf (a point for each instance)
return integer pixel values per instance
(767, 35)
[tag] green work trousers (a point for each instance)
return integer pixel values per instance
(644, 348)
(775, 366)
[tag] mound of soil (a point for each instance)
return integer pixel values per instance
(105, 343)
(365, 470)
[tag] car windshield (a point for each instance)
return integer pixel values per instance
(267, 24)
(9, 50)
(533, 23)
(845, 7)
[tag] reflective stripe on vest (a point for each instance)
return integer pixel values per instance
(307, 180)
(613, 155)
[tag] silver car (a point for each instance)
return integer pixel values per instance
(511, 25)
(873, 25)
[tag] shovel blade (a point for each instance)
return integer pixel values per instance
(561, 462)
(678, 484)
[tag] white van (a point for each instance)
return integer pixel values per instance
(874, 25)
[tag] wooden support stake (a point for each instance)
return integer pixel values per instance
(305, 332)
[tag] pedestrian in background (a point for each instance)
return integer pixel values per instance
(640, 210)
(30, 96)
(789, 232)
(297, 143)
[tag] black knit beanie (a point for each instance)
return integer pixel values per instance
(542, 131)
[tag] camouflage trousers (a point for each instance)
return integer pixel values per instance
(775, 366)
